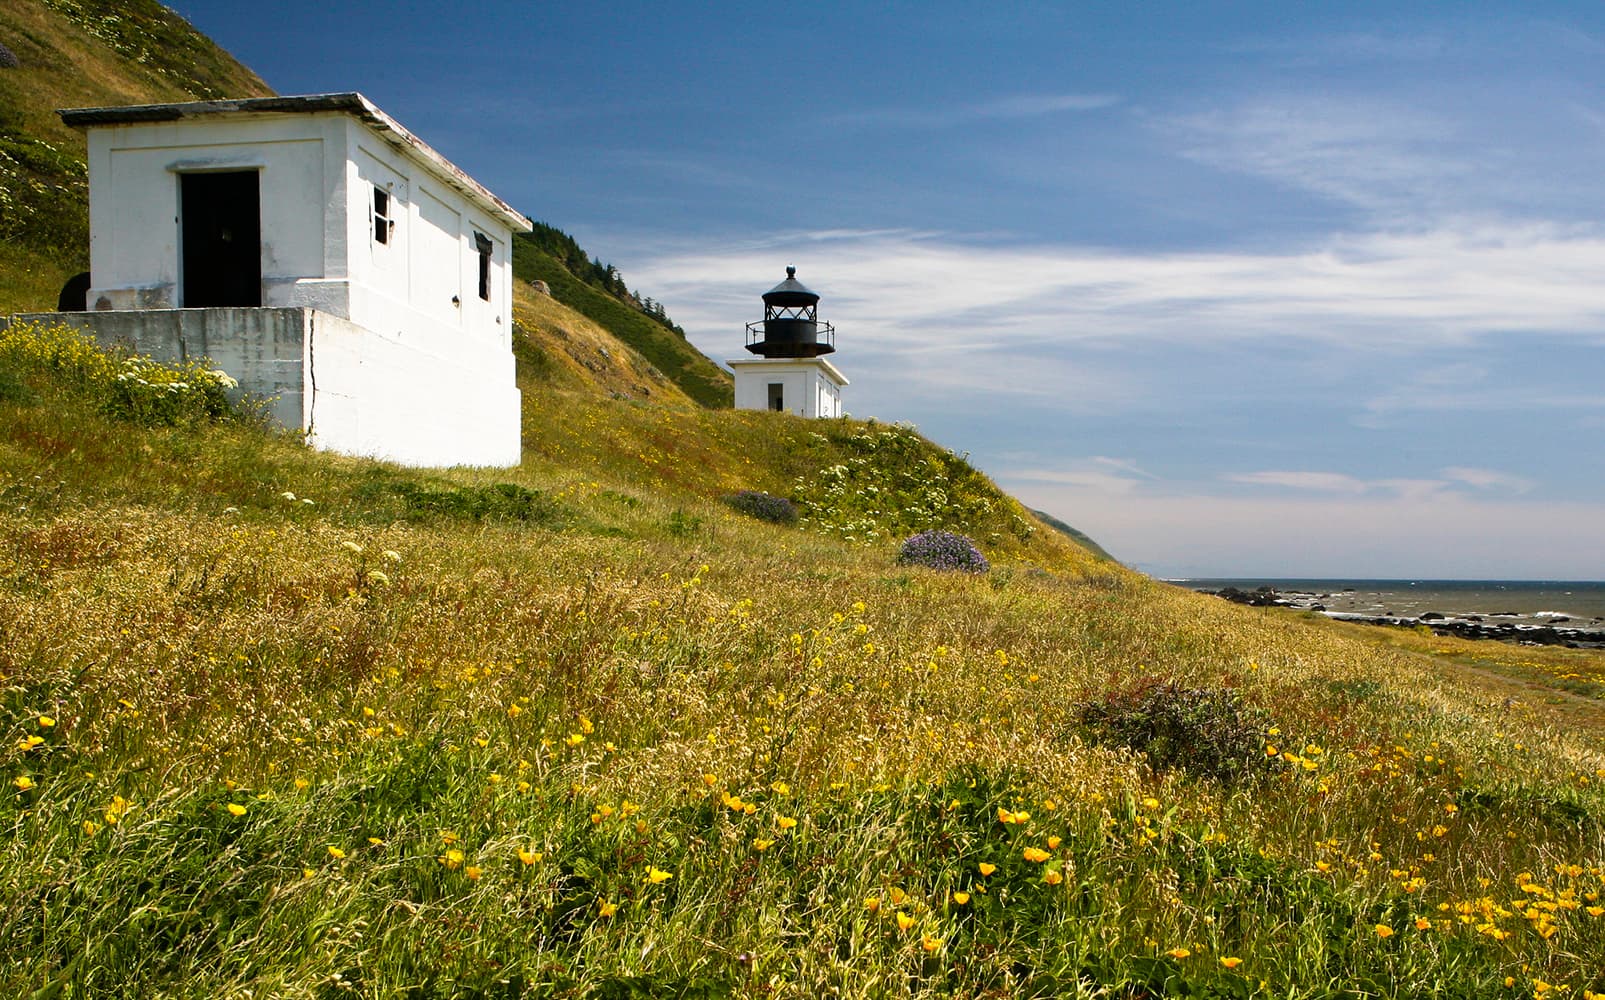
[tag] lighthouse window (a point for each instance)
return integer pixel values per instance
(777, 395)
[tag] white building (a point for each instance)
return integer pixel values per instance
(791, 375)
(317, 251)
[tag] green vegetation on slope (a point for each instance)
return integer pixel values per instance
(559, 349)
(274, 722)
(75, 53)
(1079, 537)
(662, 345)
(565, 249)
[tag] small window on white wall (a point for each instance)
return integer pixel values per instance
(484, 246)
(384, 226)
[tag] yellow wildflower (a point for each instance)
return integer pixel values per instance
(235, 809)
(335, 852)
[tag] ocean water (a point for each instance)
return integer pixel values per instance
(1569, 604)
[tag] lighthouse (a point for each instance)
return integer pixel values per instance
(790, 373)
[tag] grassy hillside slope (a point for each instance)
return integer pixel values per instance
(691, 370)
(80, 53)
(277, 723)
(1079, 537)
(558, 348)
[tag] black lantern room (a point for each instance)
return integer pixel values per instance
(790, 327)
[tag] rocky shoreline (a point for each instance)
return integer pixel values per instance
(1589, 634)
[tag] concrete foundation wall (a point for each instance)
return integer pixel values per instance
(262, 349)
(350, 389)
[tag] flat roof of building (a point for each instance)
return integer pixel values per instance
(352, 103)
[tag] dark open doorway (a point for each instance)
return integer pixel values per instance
(222, 230)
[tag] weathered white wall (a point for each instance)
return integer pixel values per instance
(351, 390)
(374, 394)
(812, 385)
(134, 205)
(423, 286)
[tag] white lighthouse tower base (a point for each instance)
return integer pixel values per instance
(808, 387)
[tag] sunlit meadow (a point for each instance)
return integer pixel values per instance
(282, 724)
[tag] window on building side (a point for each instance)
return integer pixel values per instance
(483, 244)
(383, 225)
(777, 395)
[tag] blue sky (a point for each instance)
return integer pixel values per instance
(1257, 289)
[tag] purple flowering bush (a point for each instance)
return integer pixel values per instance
(942, 550)
(763, 506)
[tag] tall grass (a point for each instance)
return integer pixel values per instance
(372, 746)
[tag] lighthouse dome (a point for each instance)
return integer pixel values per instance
(791, 293)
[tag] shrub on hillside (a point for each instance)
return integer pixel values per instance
(497, 502)
(887, 482)
(938, 549)
(1208, 732)
(763, 506)
(137, 389)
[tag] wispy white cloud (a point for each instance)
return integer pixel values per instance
(1376, 153)
(1411, 45)
(1413, 488)
(921, 290)
(1016, 106)
(1320, 482)
(1489, 479)
(1464, 387)
(1125, 465)
(1415, 162)
(1088, 479)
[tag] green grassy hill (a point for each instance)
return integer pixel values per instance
(1079, 537)
(274, 722)
(662, 346)
(82, 53)
(277, 723)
